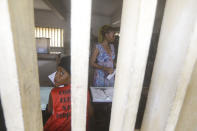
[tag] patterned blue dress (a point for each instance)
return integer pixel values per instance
(104, 59)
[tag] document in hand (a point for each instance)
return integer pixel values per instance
(52, 77)
(111, 75)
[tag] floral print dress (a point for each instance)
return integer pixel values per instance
(104, 59)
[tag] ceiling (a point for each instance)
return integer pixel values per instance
(99, 7)
(106, 7)
(39, 4)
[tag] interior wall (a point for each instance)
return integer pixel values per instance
(116, 18)
(44, 18)
(97, 21)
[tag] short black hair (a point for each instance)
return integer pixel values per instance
(65, 63)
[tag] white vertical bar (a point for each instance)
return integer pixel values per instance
(183, 82)
(62, 38)
(136, 31)
(38, 34)
(19, 87)
(44, 32)
(47, 32)
(41, 30)
(58, 37)
(80, 38)
(170, 63)
(55, 37)
(187, 116)
(50, 37)
(9, 85)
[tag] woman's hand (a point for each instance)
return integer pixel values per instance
(109, 70)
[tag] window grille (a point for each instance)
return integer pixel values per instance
(55, 35)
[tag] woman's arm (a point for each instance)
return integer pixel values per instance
(95, 65)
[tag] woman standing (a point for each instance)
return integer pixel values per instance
(103, 58)
(103, 62)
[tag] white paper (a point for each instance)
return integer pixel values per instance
(102, 94)
(111, 75)
(52, 77)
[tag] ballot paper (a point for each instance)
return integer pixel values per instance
(102, 94)
(52, 77)
(111, 75)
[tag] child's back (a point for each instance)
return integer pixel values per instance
(61, 116)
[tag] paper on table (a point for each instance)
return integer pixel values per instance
(102, 94)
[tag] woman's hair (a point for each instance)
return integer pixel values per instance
(103, 30)
(65, 63)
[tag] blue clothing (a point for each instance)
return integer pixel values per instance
(104, 59)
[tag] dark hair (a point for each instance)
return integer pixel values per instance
(106, 29)
(103, 30)
(65, 63)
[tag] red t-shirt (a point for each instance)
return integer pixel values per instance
(60, 120)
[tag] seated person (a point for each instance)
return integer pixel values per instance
(60, 99)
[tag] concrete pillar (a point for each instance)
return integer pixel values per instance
(19, 87)
(183, 82)
(171, 70)
(136, 30)
(80, 39)
(188, 115)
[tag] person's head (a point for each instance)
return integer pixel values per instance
(106, 32)
(62, 76)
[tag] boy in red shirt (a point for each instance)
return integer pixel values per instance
(60, 99)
